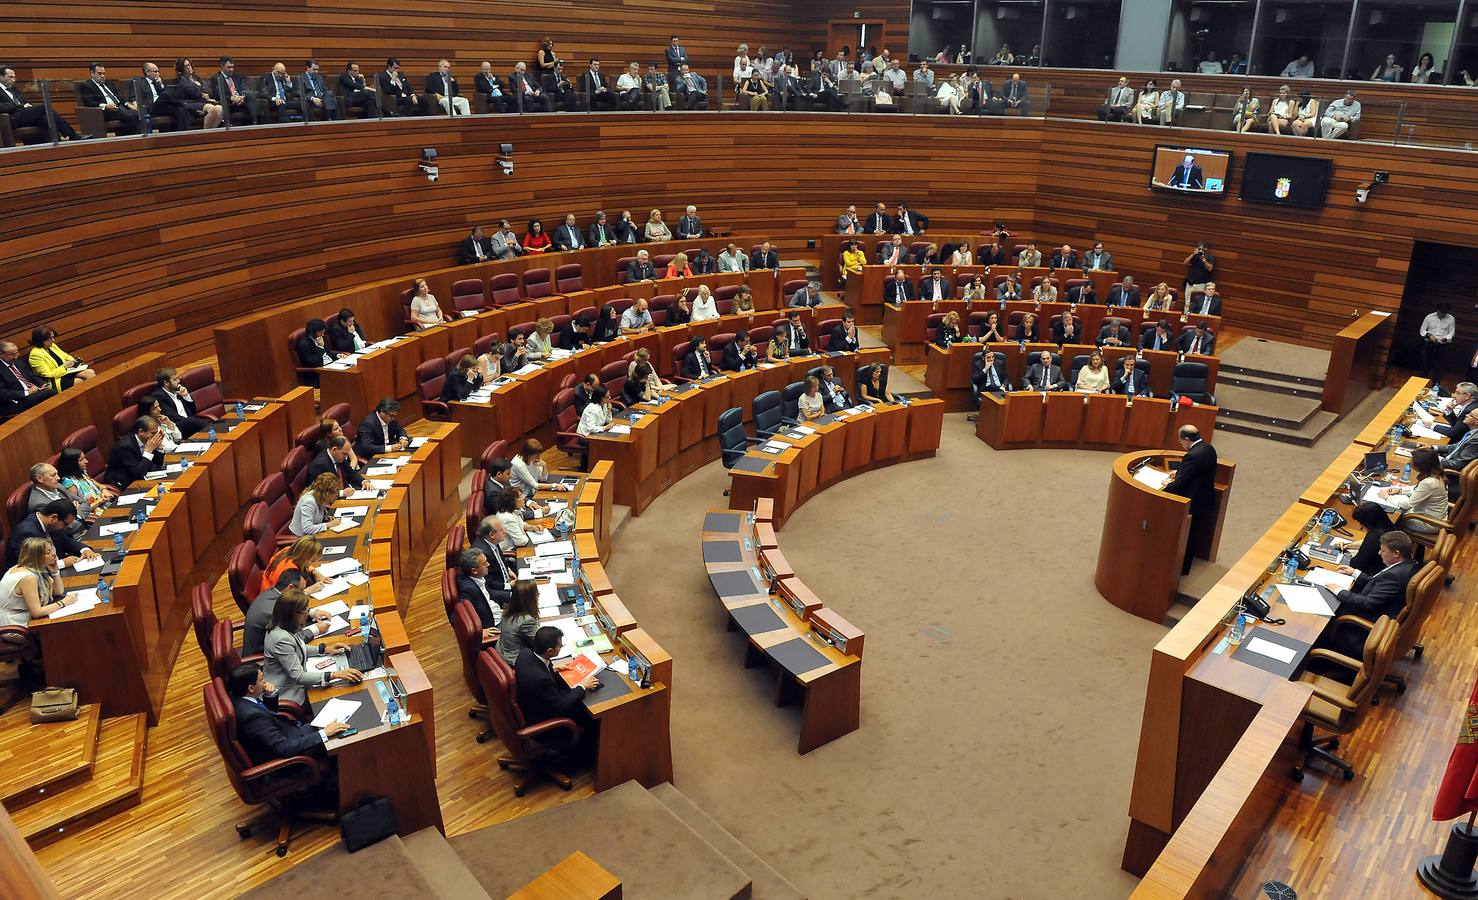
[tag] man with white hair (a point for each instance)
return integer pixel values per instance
(442, 85)
(1172, 102)
(689, 226)
(641, 269)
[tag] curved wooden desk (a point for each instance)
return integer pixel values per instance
(832, 451)
(1145, 533)
(1067, 419)
(815, 654)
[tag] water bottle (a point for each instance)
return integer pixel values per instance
(210, 434)
(364, 625)
(1174, 403)
(1022, 342)
(392, 711)
(240, 410)
(1326, 522)
(163, 489)
(580, 605)
(1239, 629)
(118, 545)
(1406, 474)
(1003, 304)
(633, 671)
(104, 591)
(1290, 569)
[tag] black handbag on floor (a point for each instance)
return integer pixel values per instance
(370, 822)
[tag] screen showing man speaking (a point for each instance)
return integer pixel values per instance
(1190, 170)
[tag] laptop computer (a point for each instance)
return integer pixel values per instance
(1375, 463)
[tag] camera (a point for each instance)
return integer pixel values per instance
(1362, 194)
(428, 165)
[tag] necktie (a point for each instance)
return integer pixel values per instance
(277, 82)
(108, 93)
(26, 386)
(1196, 345)
(231, 83)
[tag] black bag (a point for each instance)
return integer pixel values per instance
(370, 822)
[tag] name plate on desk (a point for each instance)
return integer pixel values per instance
(1272, 652)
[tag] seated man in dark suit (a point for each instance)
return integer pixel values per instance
(1082, 293)
(1456, 456)
(472, 586)
(475, 248)
(1198, 342)
(1452, 425)
(1125, 293)
(283, 98)
(988, 374)
(641, 268)
(1114, 334)
(698, 363)
(356, 92)
(344, 333)
(834, 392)
(318, 101)
(1158, 338)
(25, 114)
(499, 479)
(1129, 380)
(1064, 257)
(136, 454)
(334, 458)
(909, 222)
(764, 258)
(844, 336)
(381, 432)
(596, 87)
(1373, 596)
(568, 235)
(490, 86)
(259, 615)
(1066, 330)
(20, 388)
(1208, 303)
(740, 355)
(690, 90)
(55, 521)
(1044, 375)
(313, 350)
(264, 734)
(934, 287)
(899, 290)
(542, 693)
(499, 578)
(800, 341)
(230, 89)
(179, 407)
(98, 93)
(397, 88)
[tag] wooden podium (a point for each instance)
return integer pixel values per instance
(1145, 533)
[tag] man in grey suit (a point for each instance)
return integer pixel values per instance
(692, 88)
(1098, 259)
(807, 297)
(46, 486)
(504, 241)
(1120, 99)
(259, 615)
(1044, 376)
(689, 225)
(732, 259)
(848, 223)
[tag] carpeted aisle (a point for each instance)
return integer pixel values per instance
(1001, 695)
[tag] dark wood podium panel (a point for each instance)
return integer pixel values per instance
(1103, 421)
(1063, 421)
(1022, 424)
(1144, 538)
(1147, 423)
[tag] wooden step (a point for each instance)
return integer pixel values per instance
(116, 784)
(39, 761)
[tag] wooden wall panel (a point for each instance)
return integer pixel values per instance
(122, 247)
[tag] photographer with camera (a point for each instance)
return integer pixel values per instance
(1199, 266)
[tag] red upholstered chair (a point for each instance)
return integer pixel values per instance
(761, 336)
(134, 394)
(86, 440)
(123, 422)
(1016, 251)
(724, 307)
(495, 450)
(564, 419)
(976, 323)
(203, 614)
(569, 278)
(931, 326)
(308, 437)
(405, 305)
(469, 295)
(475, 508)
(468, 629)
(1071, 283)
(823, 333)
(295, 470)
(504, 289)
(256, 530)
(962, 282)
(623, 264)
(679, 353)
(15, 505)
(529, 746)
(589, 312)
(484, 344)
(661, 304)
(915, 248)
(339, 412)
(788, 289)
(727, 292)
(662, 261)
(272, 491)
(997, 281)
(449, 591)
(306, 376)
(455, 357)
(456, 542)
(430, 377)
(537, 283)
(523, 328)
(210, 401)
(613, 376)
(244, 574)
(274, 783)
(1014, 318)
(717, 343)
(619, 305)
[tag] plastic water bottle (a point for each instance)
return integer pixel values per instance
(118, 545)
(1406, 474)
(392, 711)
(1290, 569)
(1326, 522)
(210, 434)
(240, 410)
(1174, 403)
(1239, 629)
(580, 604)
(163, 489)
(104, 591)
(364, 630)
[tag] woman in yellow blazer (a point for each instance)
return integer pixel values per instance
(853, 259)
(53, 363)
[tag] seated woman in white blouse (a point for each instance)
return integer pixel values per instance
(811, 404)
(596, 416)
(508, 506)
(33, 586)
(530, 475)
(1094, 377)
(315, 505)
(425, 311)
(1427, 496)
(705, 307)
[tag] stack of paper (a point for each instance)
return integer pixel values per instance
(357, 578)
(1421, 430)
(117, 528)
(418, 442)
(556, 548)
(540, 536)
(130, 499)
(1373, 494)
(619, 429)
(335, 624)
(546, 565)
(527, 369)
(1331, 579)
(548, 598)
(345, 512)
(805, 429)
(87, 565)
(336, 709)
(328, 589)
(82, 601)
(378, 485)
(1304, 599)
(345, 524)
(339, 567)
(193, 447)
(380, 470)
(1152, 478)
(333, 608)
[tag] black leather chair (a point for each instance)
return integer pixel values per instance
(1189, 380)
(1079, 362)
(767, 414)
(790, 406)
(732, 438)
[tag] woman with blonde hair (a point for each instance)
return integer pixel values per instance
(315, 505)
(304, 554)
(656, 229)
(1282, 111)
(1160, 299)
(678, 268)
(33, 586)
(1094, 377)
(949, 328)
(705, 307)
(540, 344)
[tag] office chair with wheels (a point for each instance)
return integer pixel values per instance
(767, 414)
(537, 283)
(277, 783)
(790, 404)
(1189, 379)
(1339, 708)
(732, 439)
(1421, 594)
(525, 751)
(468, 629)
(1460, 513)
(569, 278)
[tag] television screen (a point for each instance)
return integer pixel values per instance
(1289, 180)
(1189, 170)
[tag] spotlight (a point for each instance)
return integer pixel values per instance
(428, 165)
(505, 158)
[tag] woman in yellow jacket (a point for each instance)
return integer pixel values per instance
(54, 364)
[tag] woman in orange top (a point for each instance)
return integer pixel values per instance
(679, 267)
(303, 554)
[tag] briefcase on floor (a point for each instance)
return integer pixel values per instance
(370, 822)
(53, 705)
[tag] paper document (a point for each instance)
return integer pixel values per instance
(548, 596)
(1153, 478)
(87, 565)
(619, 429)
(540, 537)
(1276, 651)
(1372, 494)
(360, 608)
(528, 369)
(339, 567)
(555, 506)
(329, 589)
(1422, 430)
(581, 667)
(335, 551)
(335, 625)
(547, 565)
(805, 429)
(71, 609)
(336, 709)
(333, 608)
(344, 525)
(255, 407)
(118, 528)
(1304, 599)
(130, 499)
(346, 511)
(563, 577)
(193, 447)
(174, 468)
(775, 446)
(365, 494)
(619, 667)
(418, 442)
(357, 578)
(1331, 579)
(380, 470)
(556, 548)
(155, 476)
(372, 484)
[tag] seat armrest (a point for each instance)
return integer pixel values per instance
(572, 731)
(1357, 621)
(279, 766)
(1418, 517)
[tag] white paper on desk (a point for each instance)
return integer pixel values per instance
(71, 609)
(87, 565)
(396, 461)
(255, 407)
(360, 609)
(1419, 429)
(345, 512)
(805, 429)
(541, 537)
(546, 565)
(1372, 494)
(548, 596)
(618, 665)
(380, 470)
(155, 476)
(768, 365)
(329, 589)
(1276, 651)
(469, 313)
(130, 499)
(339, 567)
(193, 447)
(335, 710)
(848, 412)
(335, 625)
(530, 367)
(371, 483)
(118, 528)
(356, 578)
(564, 577)
(418, 442)
(88, 596)
(344, 525)
(619, 429)
(334, 551)
(1335, 581)
(1406, 452)
(556, 548)
(554, 506)
(339, 365)
(1152, 478)
(333, 608)
(1304, 599)
(365, 494)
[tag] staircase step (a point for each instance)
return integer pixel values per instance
(1315, 381)
(441, 867)
(1303, 436)
(38, 761)
(1265, 408)
(385, 870)
(767, 882)
(1270, 385)
(116, 784)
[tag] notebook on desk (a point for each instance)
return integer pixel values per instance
(733, 585)
(758, 618)
(722, 552)
(751, 464)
